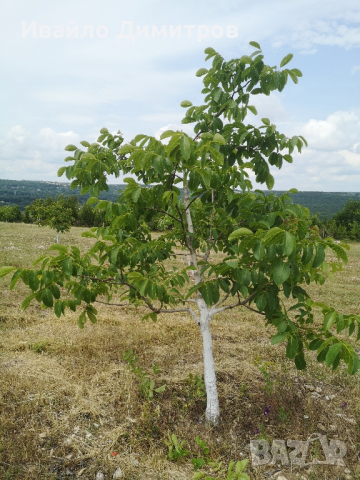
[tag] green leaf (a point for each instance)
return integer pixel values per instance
(217, 93)
(307, 254)
(216, 156)
(340, 252)
(70, 148)
(67, 266)
(185, 147)
(255, 44)
(332, 353)
(88, 235)
(47, 298)
(218, 138)
(289, 244)
(266, 121)
(319, 256)
(281, 273)
(270, 182)
(136, 195)
(27, 300)
(15, 278)
(286, 60)
(91, 315)
(33, 280)
(104, 130)
(240, 232)
(252, 109)
(82, 320)
(166, 134)
(185, 104)
(329, 319)
(6, 270)
(261, 302)
(160, 389)
(316, 344)
(293, 77)
(87, 156)
(232, 263)
(57, 308)
(292, 347)
(259, 250)
(273, 236)
(300, 362)
(201, 72)
(59, 248)
(61, 171)
(279, 337)
(55, 291)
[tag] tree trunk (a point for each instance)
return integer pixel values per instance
(212, 413)
(57, 237)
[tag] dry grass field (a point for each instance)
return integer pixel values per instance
(70, 406)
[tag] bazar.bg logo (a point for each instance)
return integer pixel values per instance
(262, 454)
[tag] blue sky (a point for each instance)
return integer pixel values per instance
(55, 91)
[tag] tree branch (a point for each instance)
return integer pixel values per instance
(242, 304)
(163, 211)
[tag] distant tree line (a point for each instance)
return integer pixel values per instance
(343, 225)
(63, 212)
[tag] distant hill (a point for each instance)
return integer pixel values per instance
(23, 192)
(326, 204)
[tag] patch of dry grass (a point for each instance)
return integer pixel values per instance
(68, 400)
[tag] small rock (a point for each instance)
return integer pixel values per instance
(306, 416)
(309, 387)
(68, 472)
(347, 470)
(349, 420)
(118, 473)
(315, 395)
(76, 429)
(68, 441)
(100, 475)
(318, 389)
(88, 435)
(321, 427)
(134, 462)
(329, 397)
(281, 477)
(332, 428)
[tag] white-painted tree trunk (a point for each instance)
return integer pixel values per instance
(57, 237)
(212, 413)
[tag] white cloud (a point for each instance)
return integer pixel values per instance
(316, 170)
(270, 107)
(355, 69)
(340, 131)
(23, 155)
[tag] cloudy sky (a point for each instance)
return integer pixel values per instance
(57, 90)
